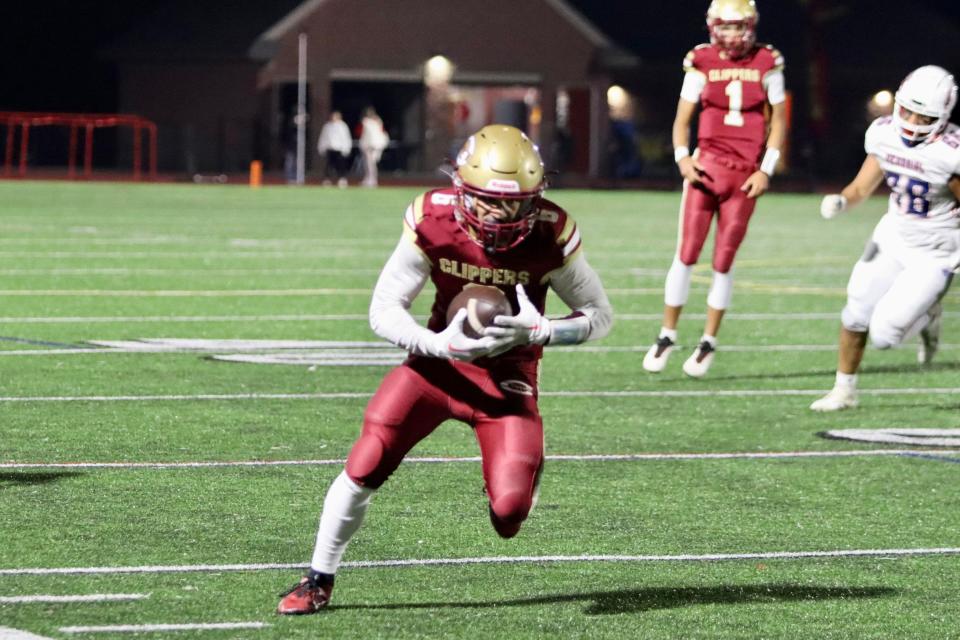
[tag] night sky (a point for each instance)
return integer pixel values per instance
(50, 62)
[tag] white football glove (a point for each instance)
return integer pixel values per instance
(527, 327)
(832, 205)
(452, 343)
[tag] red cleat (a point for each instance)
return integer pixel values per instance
(307, 596)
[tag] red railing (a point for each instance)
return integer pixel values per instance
(23, 121)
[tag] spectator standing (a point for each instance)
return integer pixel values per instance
(373, 140)
(335, 144)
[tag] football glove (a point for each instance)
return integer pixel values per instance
(527, 327)
(452, 343)
(832, 205)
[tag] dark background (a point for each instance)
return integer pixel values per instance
(51, 58)
(50, 61)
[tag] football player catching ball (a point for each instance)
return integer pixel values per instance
(895, 288)
(492, 227)
(735, 81)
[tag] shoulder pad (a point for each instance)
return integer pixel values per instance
(688, 59)
(413, 216)
(775, 55)
(569, 238)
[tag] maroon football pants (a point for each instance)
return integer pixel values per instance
(719, 194)
(501, 406)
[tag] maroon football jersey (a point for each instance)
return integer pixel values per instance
(456, 260)
(733, 101)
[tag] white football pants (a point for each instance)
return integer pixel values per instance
(892, 287)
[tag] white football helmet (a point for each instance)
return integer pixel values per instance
(931, 92)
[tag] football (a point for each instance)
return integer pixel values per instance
(483, 304)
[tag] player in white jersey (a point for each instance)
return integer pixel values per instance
(895, 288)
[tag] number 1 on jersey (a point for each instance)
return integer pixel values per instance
(734, 117)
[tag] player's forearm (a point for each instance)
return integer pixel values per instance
(865, 183)
(681, 132)
(778, 128)
(954, 185)
(400, 281)
(394, 324)
(579, 286)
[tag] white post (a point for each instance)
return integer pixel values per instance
(302, 111)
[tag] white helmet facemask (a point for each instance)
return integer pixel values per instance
(929, 91)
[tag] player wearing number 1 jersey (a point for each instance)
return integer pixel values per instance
(895, 288)
(739, 87)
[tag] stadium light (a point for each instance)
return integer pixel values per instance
(883, 99)
(881, 104)
(619, 102)
(438, 70)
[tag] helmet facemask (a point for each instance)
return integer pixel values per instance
(915, 128)
(735, 37)
(495, 221)
(733, 26)
(923, 104)
(499, 181)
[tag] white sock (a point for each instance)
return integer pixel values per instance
(711, 339)
(721, 290)
(343, 511)
(668, 333)
(676, 289)
(846, 380)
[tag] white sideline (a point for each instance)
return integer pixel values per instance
(92, 597)
(626, 457)
(692, 393)
(386, 354)
(304, 317)
(357, 316)
(7, 633)
(230, 293)
(144, 628)
(431, 562)
(182, 293)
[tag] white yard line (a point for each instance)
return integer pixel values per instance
(227, 293)
(626, 457)
(691, 393)
(93, 597)
(386, 353)
(149, 271)
(183, 293)
(150, 628)
(644, 317)
(427, 562)
(7, 633)
(306, 317)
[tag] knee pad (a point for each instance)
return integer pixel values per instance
(508, 512)
(676, 290)
(721, 290)
(884, 335)
(366, 464)
(855, 317)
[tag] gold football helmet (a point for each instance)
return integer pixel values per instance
(733, 25)
(499, 179)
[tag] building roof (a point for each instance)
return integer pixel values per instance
(197, 30)
(193, 30)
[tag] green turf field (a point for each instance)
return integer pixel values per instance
(623, 543)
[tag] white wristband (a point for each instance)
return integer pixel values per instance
(680, 153)
(770, 159)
